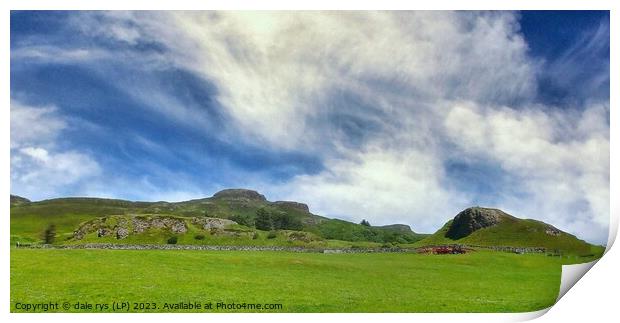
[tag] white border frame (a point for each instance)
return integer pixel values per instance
(594, 297)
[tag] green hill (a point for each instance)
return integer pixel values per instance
(479, 226)
(18, 200)
(29, 220)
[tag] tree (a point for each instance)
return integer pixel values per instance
(285, 221)
(263, 220)
(243, 220)
(50, 234)
(365, 223)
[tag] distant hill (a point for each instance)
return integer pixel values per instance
(29, 220)
(18, 200)
(492, 227)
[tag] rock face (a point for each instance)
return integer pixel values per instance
(121, 233)
(552, 231)
(293, 205)
(122, 226)
(237, 193)
(212, 223)
(472, 219)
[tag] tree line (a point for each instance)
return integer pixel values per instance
(268, 220)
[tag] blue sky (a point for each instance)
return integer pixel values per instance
(404, 117)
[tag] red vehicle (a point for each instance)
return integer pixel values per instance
(445, 250)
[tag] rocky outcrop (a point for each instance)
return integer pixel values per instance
(552, 231)
(212, 223)
(122, 226)
(122, 233)
(293, 205)
(240, 194)
(173, 224)
(472, 219)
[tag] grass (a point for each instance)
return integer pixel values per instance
(482, 281)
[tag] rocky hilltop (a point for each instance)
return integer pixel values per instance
(480, 226)
(294, 205)
(239, 193)
(474, 218)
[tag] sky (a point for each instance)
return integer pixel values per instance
(393, 117)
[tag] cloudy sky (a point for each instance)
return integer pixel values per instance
(396, 117)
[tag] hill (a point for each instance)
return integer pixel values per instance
(29, 220)
(480, 226)
(18, 200)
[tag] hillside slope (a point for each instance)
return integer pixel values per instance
(492, 227)
(29, 220)
(18, 200)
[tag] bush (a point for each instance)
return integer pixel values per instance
(271, 235)
(199, 237)
(172, 240)
(255, 235)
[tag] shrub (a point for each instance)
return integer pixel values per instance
(199, 237)
(271, 235)
(255, 235)
(172, 240)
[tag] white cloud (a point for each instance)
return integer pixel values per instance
(384, 186)
(561, 160)
(38, 154)
(31, 125)
(38, 167)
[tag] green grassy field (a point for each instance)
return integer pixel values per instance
(482, 281)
